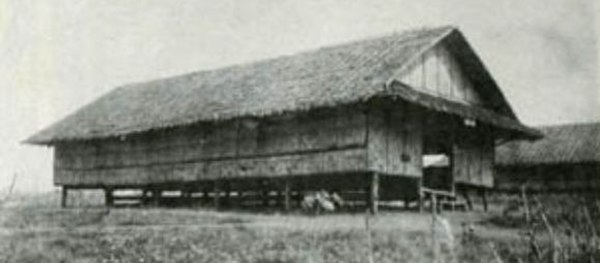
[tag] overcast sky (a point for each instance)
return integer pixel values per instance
(57, 55)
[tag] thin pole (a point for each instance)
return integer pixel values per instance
(63, 200)
(286, 192)
(374, 193)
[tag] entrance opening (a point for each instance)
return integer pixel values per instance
(437, 173)
(437, 161)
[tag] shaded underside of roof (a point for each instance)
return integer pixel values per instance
(345, 74)
(480, 114)
(571, 143)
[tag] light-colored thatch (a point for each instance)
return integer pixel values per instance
(562, 144)
(327, 77)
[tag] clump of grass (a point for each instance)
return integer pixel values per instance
(555, 227)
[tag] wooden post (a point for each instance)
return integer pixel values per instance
(265, 194)
(217, 193)
(186, 195)
(433, 203)
(240, 199)
(420, 201)
(205, 197)
(434, 237)
(227, 188)
(286, 193)
(464, 191)
(65, 195)
(484, 199)
(108, 197)
(156, 194)
(373, 197)
(144, 198)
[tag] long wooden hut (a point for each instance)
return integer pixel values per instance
(566, 160)
(355, 118)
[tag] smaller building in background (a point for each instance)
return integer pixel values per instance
(566, 159)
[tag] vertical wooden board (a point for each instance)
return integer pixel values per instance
(226, 139)
(470, 96)
(305, 134)
(349, 161)
(488, 163)
(211, 142)
(415, 76)
(352, 128)
(423, 69)
(410, 76)
(212, 170)
(377, 141)
(61, 157)
(186, 172)
(193, 151)
(396, 135)
(274, 137)
(469, 163)
(474, 162)
(478, 157)
(413, 149)
(431, 71)
(248, 137)
(444, 74)
(459, 165)
(60, 176)
(325, 130)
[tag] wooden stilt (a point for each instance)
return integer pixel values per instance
(227, 198)
(156, 194)
(65, 195)
(286, 193)
(484, 199)
(420, 201)
(144, 198)
(217, 194)
(465, 194)
(433, 204)
(265, 194)
(373, 197)
(240, 199)
(186, 195)
(406, 202)
(205, 197)
(108, 197)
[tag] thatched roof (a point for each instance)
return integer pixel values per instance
(571, 143)
(327, 77)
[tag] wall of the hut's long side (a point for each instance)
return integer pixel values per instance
(396, 141)
(332, 141)
(473, 159)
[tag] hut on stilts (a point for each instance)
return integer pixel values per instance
(566, 160)
(355, 118)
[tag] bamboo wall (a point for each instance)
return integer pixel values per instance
(317, 142)
(473, 159)
(437, 72)
(395, 141)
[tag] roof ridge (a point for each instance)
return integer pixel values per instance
(343, 44)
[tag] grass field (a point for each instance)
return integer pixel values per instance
(34, 229)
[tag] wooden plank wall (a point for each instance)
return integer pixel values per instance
(395, 141)
(323, 141)
(473, 160)
(437, 72)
